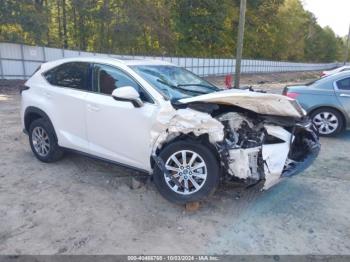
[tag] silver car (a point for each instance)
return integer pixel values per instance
(327, 102)
(336, 70)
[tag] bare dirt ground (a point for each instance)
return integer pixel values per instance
(84, 206)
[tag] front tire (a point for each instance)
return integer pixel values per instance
(328, 121)
(195, 168)
(43, 141)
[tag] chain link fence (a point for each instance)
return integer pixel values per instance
(19, 61)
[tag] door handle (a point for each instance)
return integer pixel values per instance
(93, 108)
(344, 95)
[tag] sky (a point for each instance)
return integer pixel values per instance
(334, 13)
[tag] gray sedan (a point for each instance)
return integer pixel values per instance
(327, 102)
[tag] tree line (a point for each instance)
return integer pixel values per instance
(275, 29)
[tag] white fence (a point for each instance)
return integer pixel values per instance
(20, 61)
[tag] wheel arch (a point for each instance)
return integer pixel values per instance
(33, 113)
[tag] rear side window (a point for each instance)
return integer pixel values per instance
(344, 84)
(72, 75)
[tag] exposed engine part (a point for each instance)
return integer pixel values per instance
(242, 146)
(241, 132)
(245, 163)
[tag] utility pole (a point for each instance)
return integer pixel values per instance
(240, 42)
(347, 48)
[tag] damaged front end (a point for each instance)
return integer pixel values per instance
(266, 148)
(258, 137)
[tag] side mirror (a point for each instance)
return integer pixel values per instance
(129, 94)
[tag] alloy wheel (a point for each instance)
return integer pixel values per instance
(189, 169)
(326, 123)
(41, 141)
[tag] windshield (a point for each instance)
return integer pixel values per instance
(174, 82)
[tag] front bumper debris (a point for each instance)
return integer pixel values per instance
(304, 150)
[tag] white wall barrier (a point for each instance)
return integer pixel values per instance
(19, 61)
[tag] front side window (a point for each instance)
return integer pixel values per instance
(107, 78)
(344, 84)
(72, 75)
(174, 82)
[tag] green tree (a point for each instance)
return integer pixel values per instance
(23, 21)
(201, 27)
(262, 28)
(275, 29)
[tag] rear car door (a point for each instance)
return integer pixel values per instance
(342, 90)
(117, 130)
(70, 83)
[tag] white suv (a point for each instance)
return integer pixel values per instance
(161, 119)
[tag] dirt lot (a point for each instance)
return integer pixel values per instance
(83, 206)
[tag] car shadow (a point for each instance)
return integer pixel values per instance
(345, 135)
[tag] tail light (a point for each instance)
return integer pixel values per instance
(292, 95)
(322, 74)
(23, 88)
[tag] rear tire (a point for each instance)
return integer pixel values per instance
(328, 121)
(198, 176)
(43, 141)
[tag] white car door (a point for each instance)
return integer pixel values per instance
(66, 103)
(117, 130)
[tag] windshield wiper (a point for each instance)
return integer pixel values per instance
(201, 85)
(179, 87)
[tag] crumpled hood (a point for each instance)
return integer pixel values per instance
(261, 103)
